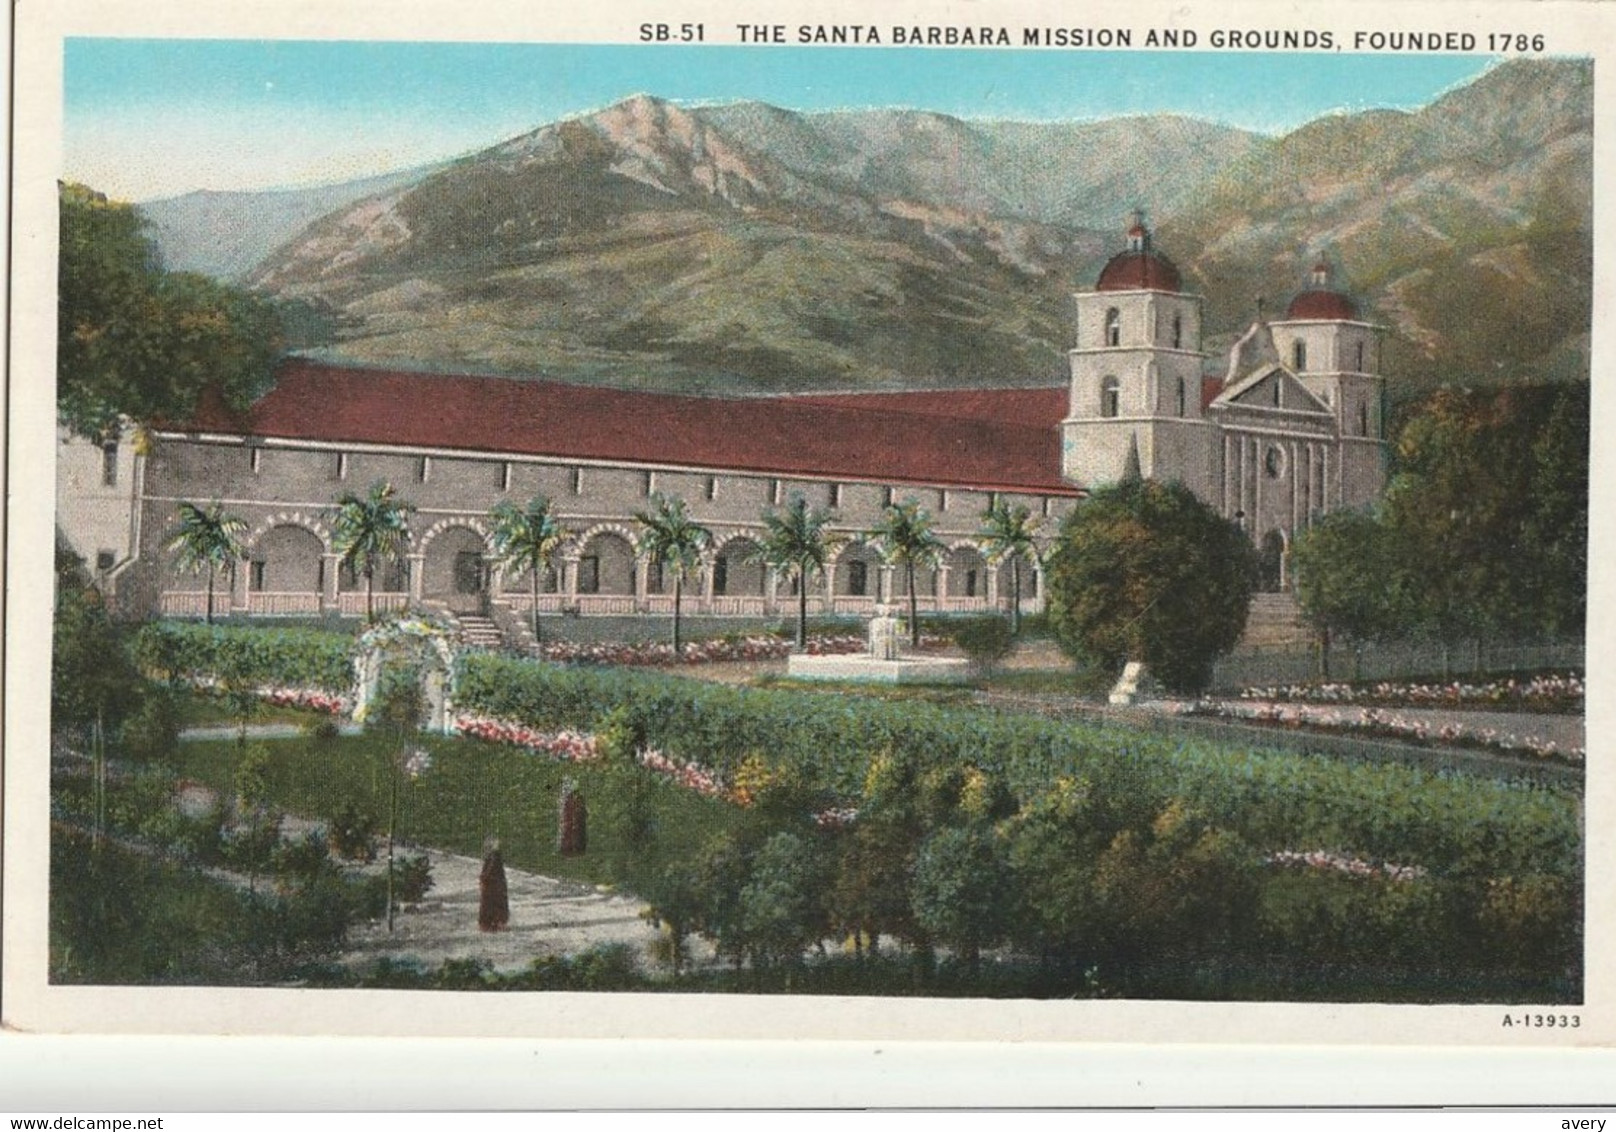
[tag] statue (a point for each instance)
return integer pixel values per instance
(493, 899)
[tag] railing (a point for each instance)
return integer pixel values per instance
(548, 603)
(605, 605)
(179, 603)
(847, 604)
(1393, 660)
(961, 604)
(663, 603)
(353, 604)
(263, 604)
(748, 606)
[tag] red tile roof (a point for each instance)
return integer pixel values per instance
(992, 439)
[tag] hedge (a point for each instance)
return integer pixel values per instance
(297, 658)
(1453, 824)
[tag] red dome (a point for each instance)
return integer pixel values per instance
(1139, 271)
(1322, 306)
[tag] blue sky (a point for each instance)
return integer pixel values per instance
(151, 118)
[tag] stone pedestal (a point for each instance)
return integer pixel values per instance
(1135, 684)
(870, 670)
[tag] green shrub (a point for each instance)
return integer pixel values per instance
(412, 878)
(150, 732)
(352, 833)
(985, 641)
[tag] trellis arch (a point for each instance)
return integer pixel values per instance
(425, 638)
(292, 519)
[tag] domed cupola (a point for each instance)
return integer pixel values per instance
(1322, 304)
(1139, 268)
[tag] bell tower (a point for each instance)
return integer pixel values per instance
(1135, 397)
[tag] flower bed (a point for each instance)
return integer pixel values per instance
(755, 648)
(1322, 861)
(1375, 723)
(1549, 692)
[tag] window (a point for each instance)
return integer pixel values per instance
(319, 576)
(339, 465)
(835, 495)
(942, 500)
(721, 575)
(712, 487)
(423, 469)
(1276, 393)
(1183, 400)
(505, 476)
(1363, 418)
(578, 484)
(1360, 357)
(647, 483)
(858, 577)
(886, 497)
(255, 575)
(1113, 327)
(970, 583)
(1178, 332)
(255, 458)
(777, 492)
(1274, 462)
(1299, 356)
(589, 574)
(109, 464)
(1110, 397)
(104, 560)
(653, 578)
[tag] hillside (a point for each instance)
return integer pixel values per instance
(745, 247)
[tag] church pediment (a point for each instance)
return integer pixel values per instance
(1272, 388)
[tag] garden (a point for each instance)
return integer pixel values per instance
(786, 839)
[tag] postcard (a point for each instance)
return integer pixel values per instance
(813, 522)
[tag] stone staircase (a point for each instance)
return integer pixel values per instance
(1275, 620)
(479, 632)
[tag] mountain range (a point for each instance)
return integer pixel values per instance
(744, 247)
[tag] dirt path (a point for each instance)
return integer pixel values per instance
(548, 917)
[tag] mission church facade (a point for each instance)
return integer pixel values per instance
(1288, 429)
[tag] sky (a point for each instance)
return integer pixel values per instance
(145, 119)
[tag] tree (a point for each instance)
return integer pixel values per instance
(206, 539)
(1146, 571)
(136, 341)
(1006, 535)
(961, 890)
(370, 531)
(527, 538)
(904, 538)
(674, 541)
(1350, 579)
(796, 542)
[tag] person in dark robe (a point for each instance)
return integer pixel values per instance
(573, 838)
(493, 903)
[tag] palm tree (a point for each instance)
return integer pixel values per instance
(795, 542)
(905, 537)
(370, 531)
(673, 540)
(1007, 535)
(207, 539)
(527, 538)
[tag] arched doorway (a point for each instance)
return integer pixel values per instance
(967, 574)
(606, 566)
(1271, 562)
(858, 572)
(737, 571)
(455, 570)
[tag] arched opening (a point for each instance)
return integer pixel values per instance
(1183, 398)
(1178, 332)
(455, 570)
(606, 566)
(1113, 327)
(1360, 358)
(1299, 356)
(1110, 397)
(967, 573)
(1271, 562)
(286, 571)
(1363, 418)
(737, 571)
(858, 572)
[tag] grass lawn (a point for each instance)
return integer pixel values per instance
(475, 789)
(199, 709)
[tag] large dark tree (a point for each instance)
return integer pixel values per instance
(1146, 571)
(136, 341)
